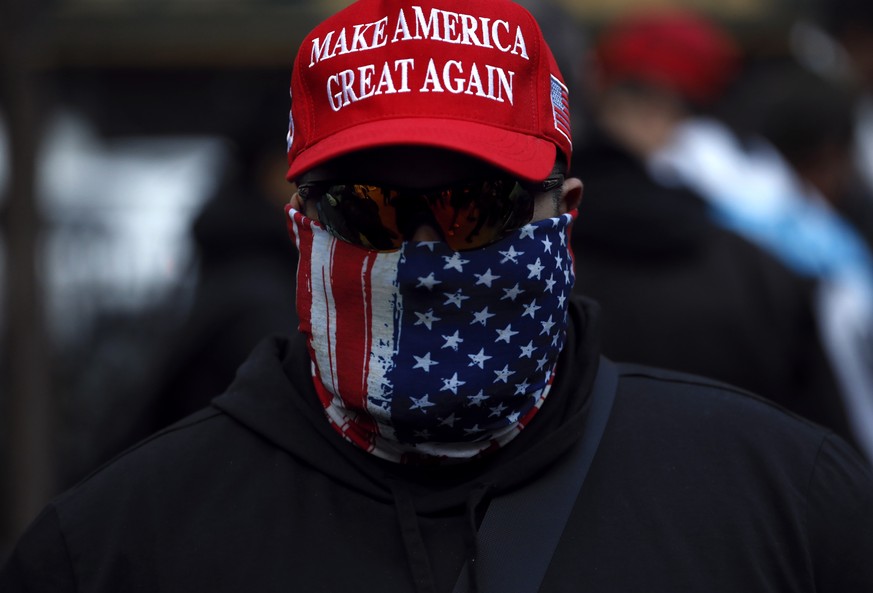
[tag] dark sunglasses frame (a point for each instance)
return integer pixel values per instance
(488, 208)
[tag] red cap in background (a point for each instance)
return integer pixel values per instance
(675, 49)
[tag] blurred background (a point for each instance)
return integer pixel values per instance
(142, 245)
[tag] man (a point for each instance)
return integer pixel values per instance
(443, 371)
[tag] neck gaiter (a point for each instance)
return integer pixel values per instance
(425, 353)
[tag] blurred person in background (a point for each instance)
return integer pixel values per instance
(154, 365)
(243, 286)
(779, 201)
(678, 290)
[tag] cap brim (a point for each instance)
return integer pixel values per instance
(522, 155)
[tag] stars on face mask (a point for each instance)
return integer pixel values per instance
(536, 269)
(487, 278)
(453, 341)
(452, 384)
(482, 316)
(428, 282)
(455, 298)
(511, 255)
(512, 293)
(505, 334)
(531, 309)
(479, 359)
(421, 403)
(426, 319)
(423, 362)
(495, 313)
(455, 262)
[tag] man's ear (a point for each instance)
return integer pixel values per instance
(571, 194)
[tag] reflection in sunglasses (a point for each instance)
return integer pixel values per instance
(467, 215)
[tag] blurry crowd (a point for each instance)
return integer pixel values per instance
(726, 227)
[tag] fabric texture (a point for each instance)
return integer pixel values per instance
(411, 359)
(696, 487)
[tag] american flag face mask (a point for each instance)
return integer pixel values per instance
(427, 353)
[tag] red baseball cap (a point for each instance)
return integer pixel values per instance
(674, 48)
(473, 76)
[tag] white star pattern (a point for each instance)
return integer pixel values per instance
(455, 262)
(531, 309)
(536, 269)
(423, 362)
(550, 283)
(504, 374)
(427, 319)
(511, 255)
(527, 351)
(547, 245)
(455, 298)
(479, 359)
(505, 334)
(482, 316)
(428, 281)
(452, 384)
(452, 341)
(527, 231)
(449, 421)
(487, 278)
(476, 400)
(497, 410)
(547, 326)
(511, 293)
(421, 403)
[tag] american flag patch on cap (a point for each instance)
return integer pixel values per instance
(561, 107)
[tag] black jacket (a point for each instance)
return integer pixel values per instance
(680, 292)
(696, 487)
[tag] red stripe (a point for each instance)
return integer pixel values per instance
(304, 269)
(352, 320)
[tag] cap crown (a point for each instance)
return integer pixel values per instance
(472, 76)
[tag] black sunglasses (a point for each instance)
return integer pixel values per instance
(468, 214)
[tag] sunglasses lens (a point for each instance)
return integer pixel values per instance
(361, 214)
(467, 215)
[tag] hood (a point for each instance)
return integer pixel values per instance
(273, 396)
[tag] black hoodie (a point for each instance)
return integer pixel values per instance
(696, 487)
